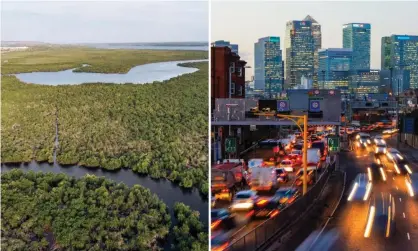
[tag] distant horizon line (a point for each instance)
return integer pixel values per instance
(131, 42)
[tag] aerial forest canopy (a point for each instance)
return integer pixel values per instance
(57, 212)
(158, 129)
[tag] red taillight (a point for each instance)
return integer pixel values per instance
(215, 224)
(291, 200)
(282, 175)
(225, 190)
(275, 212)
(261, 202)
(249, 214)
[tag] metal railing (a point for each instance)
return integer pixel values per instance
(257, 238)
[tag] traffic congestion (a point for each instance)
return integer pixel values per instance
(380, 209)
(246, 192)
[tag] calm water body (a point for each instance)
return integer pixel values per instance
(140, 74)
(164, 189)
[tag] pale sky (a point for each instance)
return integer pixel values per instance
(104, 21)
(243, 23)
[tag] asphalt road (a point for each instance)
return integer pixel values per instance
(350, 219)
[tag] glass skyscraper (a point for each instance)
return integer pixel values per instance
(334, 68)
(268, 64)
(300, 47)
(365, 82)
(357, 37)
(400, 52)
(317, 37)
(223, 43)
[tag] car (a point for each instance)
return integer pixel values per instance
(378, 138)
(401, 165)
(271, 206)
(322, 148)
(390, 131)
(381, 217)
(376, 172)
(287, 165)
(392, 152)
(411, 181)
(298, 134)
(282, 175)
(350, 130)
(380, 148)
(299, 177)
(221, 219)
(220, 242)
(296, 156)
(360, 189)
(244, 200)
(363, 138)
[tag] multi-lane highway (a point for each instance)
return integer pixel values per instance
(351, 218)
(244, 222)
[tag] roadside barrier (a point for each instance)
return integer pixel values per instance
(257, 238)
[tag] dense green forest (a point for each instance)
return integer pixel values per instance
(99, 60)
(158, 129)
(189, 233)
(45, 211)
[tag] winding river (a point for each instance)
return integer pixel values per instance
(140, 74)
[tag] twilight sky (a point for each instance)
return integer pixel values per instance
(243, 23)
(104, 21)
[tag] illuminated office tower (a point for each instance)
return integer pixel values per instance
(334, 68)
(268, 65)
(317, 37)
(400, 52)
(356, 36)
(300, 47)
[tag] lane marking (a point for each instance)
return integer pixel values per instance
(397, 188)
(409, 238)
(400, 199)
(404, 214)
(393, 178)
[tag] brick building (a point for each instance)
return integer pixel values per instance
(225, 64)
(222, 61)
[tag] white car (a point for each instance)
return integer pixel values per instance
(392, 152)
(244, 200)
(287, 165)
(381, 148)
(378, 138)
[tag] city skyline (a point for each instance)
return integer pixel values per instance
(117, 22)
(270, 18)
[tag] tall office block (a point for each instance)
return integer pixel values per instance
(334, 68)
(401, 54)
(268, 65)
(223, 43)
(365, 82)
(356, 36)
(300, 47)
(317, 37)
